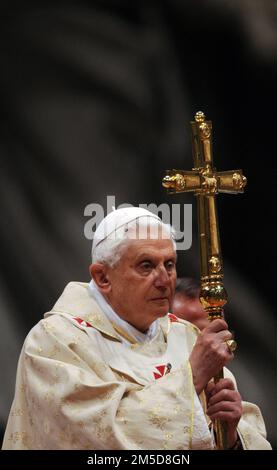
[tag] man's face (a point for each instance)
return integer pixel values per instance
(142, 283)
(190, 310)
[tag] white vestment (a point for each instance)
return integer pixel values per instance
(81, 386)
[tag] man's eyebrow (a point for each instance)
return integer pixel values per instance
(146, 255)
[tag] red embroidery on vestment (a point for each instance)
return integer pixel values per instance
(82, 322)
(172, 318)
(163, 369)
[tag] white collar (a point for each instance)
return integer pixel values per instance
(115, 318)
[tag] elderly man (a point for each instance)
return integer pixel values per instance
(109, 368)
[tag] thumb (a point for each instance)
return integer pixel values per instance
(209, 390)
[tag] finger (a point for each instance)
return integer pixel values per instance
(228, 416)
(230, 356)
(224, 395)
(224, 406)
(225, 352)
(210, 387)
(216, 326)
(209, 390)
(224, 335)
(222, 384)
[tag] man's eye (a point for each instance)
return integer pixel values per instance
(170, 265)
(146, 265)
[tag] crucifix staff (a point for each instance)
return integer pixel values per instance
(206, 183)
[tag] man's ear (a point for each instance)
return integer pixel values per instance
(99, 273)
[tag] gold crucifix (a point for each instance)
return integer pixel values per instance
(206, 183)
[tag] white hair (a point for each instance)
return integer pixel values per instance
(111, 249)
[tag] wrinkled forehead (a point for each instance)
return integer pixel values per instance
(160, 248)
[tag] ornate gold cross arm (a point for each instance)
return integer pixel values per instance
(206, 183)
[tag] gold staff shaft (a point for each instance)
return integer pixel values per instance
(213, 295)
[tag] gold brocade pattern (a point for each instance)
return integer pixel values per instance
(166, 442)
(17, 412)
(156, 418)
(19, 437)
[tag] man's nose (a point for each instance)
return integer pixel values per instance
(162, 277)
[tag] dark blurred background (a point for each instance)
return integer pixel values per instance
(96, 99)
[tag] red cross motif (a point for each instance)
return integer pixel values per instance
(82, 322)
(162, 370)
(172, 318)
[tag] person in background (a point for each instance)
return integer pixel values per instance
(186, 303)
